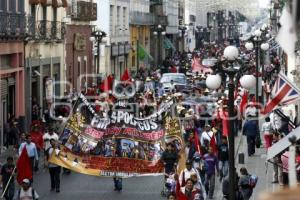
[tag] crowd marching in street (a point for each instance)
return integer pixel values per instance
(206, 148)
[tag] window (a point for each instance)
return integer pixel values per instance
(124, 18)
(118, 17)
(33, 11)
(44, 12)
(12, 5)
(20, 6)
(3, 5)
(111, 20)
(54, 14)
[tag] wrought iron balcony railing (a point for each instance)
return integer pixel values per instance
(45, 30)
(12, 26)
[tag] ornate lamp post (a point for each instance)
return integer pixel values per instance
(159, 32)
(257, 41)
(182, 33)
(231, 67)
(97, 36)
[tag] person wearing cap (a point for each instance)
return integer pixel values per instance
(7, 172)
(27, 192)
(186, 173)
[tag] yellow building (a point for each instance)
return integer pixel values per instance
(139, 35)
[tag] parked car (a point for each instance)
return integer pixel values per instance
(179, 79)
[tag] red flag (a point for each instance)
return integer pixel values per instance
(213, 145)
(24, 167)
(126, 76)
(243, 102)
(106, 85)
(197, 142)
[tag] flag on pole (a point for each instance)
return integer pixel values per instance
(106, 85)
(126, 76)
(197, 67)
(287, 30)
(24, 167)
(213, 144)
(283, 93)
(142, 53)
(197, 142)
(244, 102)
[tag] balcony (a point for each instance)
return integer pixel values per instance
(45, 30)
(162, 20)
(83, 11)
(12, 26)
(140, 18)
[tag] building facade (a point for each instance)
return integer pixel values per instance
(119, 36)
(44, 53)
(140, 23)
(80, 63)
(12, 34)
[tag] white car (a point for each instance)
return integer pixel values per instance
(179, 80)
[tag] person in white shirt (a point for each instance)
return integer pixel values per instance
(47, 137)
(54, 170)
(31, 151)
(27, 192)
(186, 173)
(206, 135)
(251, 110)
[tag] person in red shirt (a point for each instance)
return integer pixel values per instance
(37, 139)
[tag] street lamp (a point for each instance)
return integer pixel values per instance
(257, 41)
(231, 67)
(159, 31)
(182, 33)
(97, 36)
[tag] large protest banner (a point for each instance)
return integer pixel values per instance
(118, 145)
(173, 134)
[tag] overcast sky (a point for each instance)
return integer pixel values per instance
(264, 3)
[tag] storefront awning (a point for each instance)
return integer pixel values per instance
(282, 144)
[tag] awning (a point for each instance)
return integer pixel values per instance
(282, 144)
(168, 44)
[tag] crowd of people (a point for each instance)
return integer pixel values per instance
(206, 143)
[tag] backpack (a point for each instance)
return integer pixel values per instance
(32, 194)
(253, 181)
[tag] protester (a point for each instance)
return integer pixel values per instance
(48, 136)
(37, 139)
(27, 192)
(54, 170)
(31, 150)
(285, 168)
(188, 192)
(244, 186)
(170, 158)
(8, 178)
(267, 131)
(186, 173)
(251, 131)
(223, 155)
(211, 162)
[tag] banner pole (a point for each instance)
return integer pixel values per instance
(6, 187)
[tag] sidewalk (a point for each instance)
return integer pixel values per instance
(257, 165)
